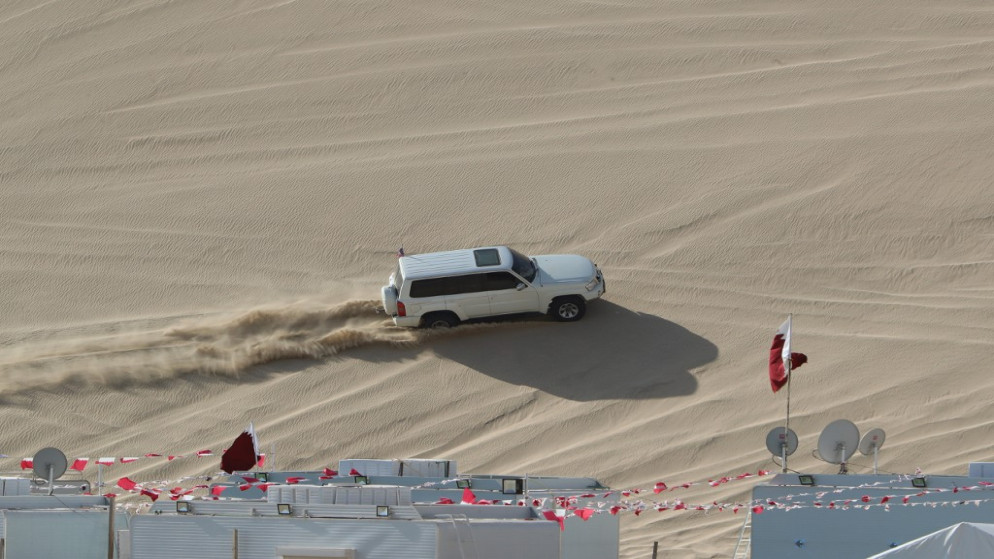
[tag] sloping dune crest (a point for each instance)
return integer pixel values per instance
(173, 171)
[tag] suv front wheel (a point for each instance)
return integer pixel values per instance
(568, 309)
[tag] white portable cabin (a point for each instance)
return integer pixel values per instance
(43, 527)
(856, 516)
(431, 481)
(367, 522)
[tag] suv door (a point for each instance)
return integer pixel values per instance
(467, 296)
(506, 298)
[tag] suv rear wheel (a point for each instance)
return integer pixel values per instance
(568, 309)
(440, 320)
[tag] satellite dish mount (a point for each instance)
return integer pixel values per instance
(871, 442)
(783, 442)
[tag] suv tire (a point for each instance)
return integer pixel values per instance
(568, 309)
(440, 320)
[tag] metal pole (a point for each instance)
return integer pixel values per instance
(110, 529)
(655, 549)
(234, 544)
(786, 427)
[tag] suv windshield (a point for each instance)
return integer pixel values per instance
(523, 266)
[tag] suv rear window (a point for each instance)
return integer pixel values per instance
(453, 285)
(486, 257)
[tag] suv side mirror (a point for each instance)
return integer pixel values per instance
(520, 286)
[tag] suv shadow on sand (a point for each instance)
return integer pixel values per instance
(615, 353)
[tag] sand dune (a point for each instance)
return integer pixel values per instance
(200, 202)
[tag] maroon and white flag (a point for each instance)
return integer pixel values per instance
(243, 454)
(126, 483)
(79, 464)
(782, 359)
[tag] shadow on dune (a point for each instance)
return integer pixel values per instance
(613, 353)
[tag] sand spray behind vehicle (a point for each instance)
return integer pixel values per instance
(130, 353)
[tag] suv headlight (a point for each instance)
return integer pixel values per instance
(592, 284)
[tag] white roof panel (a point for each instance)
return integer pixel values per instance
(452, 262)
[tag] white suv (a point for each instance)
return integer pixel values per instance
(441, 289)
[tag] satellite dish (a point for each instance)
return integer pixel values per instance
(776, 439)
(838, 441)
(871, 442)
(49, 463)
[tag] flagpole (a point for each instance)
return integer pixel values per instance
(786, 427)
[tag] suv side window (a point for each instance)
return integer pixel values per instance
(427, 287)
(497, 281)
(452, 285)
(472, 283)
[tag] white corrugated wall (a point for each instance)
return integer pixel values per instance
(47, 534)
(204, 537)
(499, 540)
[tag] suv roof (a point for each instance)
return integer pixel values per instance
(455, 262)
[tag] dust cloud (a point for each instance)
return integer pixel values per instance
(209, 345)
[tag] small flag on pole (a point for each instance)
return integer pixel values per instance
(243, 453)
(782, 359)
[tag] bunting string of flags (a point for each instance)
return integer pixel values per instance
(80, 464)
(659, 498)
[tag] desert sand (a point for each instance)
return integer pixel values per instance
(201, 200)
